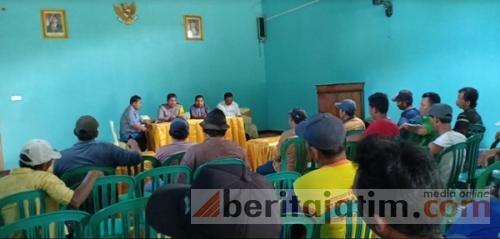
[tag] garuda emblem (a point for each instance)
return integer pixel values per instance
(126, 13)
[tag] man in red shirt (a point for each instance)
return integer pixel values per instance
(381, 125)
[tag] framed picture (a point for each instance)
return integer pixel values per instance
(54, 24)
(193, 28)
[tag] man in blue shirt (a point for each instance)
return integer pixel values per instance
(88, 152)
(131, 125)
(410, 114)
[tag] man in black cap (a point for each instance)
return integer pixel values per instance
(215, 146)
(88, 152)
(325, 137)
(179, 130)
(410, 114)
(296, 116)
(172, 210)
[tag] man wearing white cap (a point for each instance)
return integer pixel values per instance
(35, 159)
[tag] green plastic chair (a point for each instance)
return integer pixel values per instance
(492, 171)
(174, 159)
(350, 150)
(50, 225)
(290, 219)
(123, 220)
(28, 204)
(458, 153)
(354, 132)
(106, 193)
(218, 162)
(355, 227)
(300, 154)
(476, 129)
(283, 180)
(72, 178)
(158, 177)
(467, 178)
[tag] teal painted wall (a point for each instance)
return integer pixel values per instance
(427, 45)
(103, 63)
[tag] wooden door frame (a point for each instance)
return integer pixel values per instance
(344, 87)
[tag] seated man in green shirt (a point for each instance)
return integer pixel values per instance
(424, 134)
(35, 159)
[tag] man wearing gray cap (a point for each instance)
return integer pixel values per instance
(334, 178)
(35, 159)
(441, 115)
(88, 152)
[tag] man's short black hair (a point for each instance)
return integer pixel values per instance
(215, 133)
(171, 95)
(433, 97)
(228, 95)
(180, 135)
(134, 99)
(389, 164)
(198, 96)
(379, 101)
(471, 95)
(23, 165)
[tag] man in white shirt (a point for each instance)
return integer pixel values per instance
(441, 115)
(228, 106)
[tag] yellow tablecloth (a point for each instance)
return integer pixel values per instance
(158, 135)
(259, 151)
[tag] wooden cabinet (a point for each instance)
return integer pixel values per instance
(328, 95)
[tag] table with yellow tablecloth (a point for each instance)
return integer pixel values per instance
(259, 151)
(158, 133)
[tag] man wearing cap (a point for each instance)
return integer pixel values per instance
(215, 146)
(35, 159)
(441, 115)
(404, 101)
(381, 125)
(179, 130)
(88, 152)
(296, 116)
(131, 125)
(347, 110)
(325, 136)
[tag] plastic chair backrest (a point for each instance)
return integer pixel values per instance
(485, 177)
(28, 204)
(126, 219)
(300, 154)
(458, 155)
(473, 143)
(72, 178)
(158, 177)
(355, 227)
(113, 133)
(283, 180)
(354, 132)
(290, 219)
(476, 129)
(106, 192)
(350, 150)
(49, 225)
(218, 162)
(174, 159)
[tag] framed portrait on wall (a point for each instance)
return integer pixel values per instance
(54, 24)
(193, 28)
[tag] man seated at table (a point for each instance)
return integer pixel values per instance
(380, 125)
(229, 106)
(179, 130)
(467, 100)
(325, 136)
(215, 146)
(171, 110)
(132, 128)
(88, 152)
(199, 109)
(35, 160)
(424, 133)
(347, 111)
(296, 116)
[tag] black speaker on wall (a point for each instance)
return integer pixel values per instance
(261, 29)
